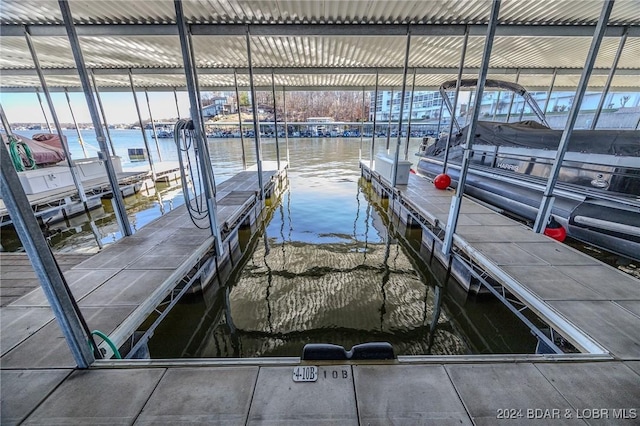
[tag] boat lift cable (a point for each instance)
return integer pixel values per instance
(196, 206)
(74, 304)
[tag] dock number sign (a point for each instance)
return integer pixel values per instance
(305, 373)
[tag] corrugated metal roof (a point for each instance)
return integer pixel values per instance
(539, 12)
(313, 60)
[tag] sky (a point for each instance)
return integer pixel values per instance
(119, 107)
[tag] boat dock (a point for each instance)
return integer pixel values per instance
(41, 385)
(65, 199)
(119, 287)
(166, 171)
(594, 306)
(64, 202)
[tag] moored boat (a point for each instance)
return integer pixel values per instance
(597, 196)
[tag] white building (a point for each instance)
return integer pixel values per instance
(220, 105)
(496, 105)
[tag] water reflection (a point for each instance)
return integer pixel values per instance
(332, 291)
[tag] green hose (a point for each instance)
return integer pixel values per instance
(104, 337)
(14, 149)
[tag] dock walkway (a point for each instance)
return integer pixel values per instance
(454, 391)
(117, 288)
(571, 291)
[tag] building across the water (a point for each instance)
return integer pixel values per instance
(427, 106)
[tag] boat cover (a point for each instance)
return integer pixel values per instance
(44, 152)
(530, 134)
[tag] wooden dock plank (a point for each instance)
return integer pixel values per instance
(277, 400)
(594, 386)
(20, 323)
(17, 277)
(186, 395)
(487, 388)
(407, 394)
(126, 288)
(508, 253)
(557, 254)
(611, 283)
(608, 323)
(551, 284)
(632, 306)
(47, 348)
(81, 282)
(22, 390)
(634, 365)
(107, 397)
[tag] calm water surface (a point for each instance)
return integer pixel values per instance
(329, 266)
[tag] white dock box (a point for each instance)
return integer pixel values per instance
(384, 166)
(45, 179)
(92, 168)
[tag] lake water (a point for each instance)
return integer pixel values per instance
(329, 265)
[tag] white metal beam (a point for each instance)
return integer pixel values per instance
(317, 29)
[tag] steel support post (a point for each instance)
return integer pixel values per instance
(522, 111)
(390, 114)
(612, 72)
(413, 90)
(144, 134)
(447, 102)
(375, 115)
(439, 119)
(198, 128)
(153, 125)
(244, 156)
(5, 122)
(75, 123)
(44, 264)
(254, 108)
(361, 127)
(118, 201)
(286, 125)
(192, 55)
(275, 118)
(102, 113)
(175, 97)
(456, 201)
(553, 82)
(453, 107)
(547, 198)
(44, 114)
(394, 174)
(463, 55)
(63, 141)
(495, 110)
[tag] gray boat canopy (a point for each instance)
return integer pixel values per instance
(532, 135)
(492, 84)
